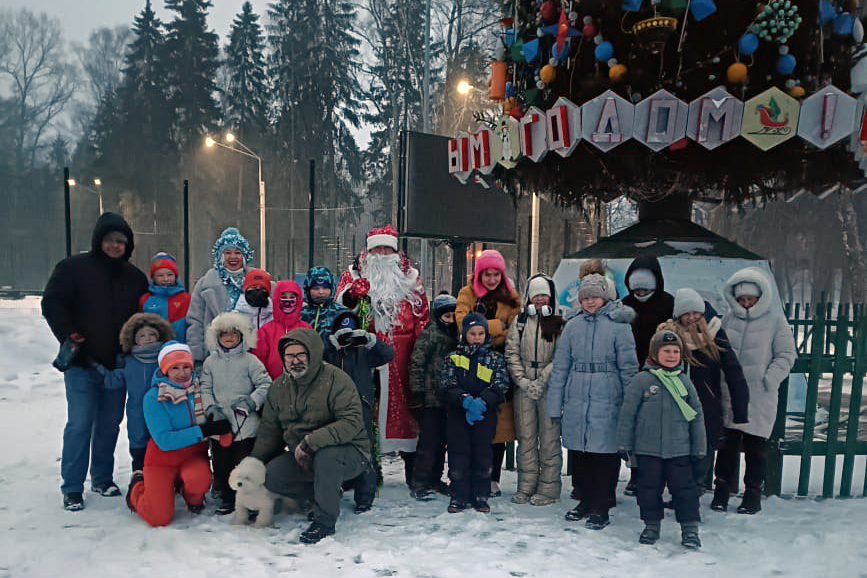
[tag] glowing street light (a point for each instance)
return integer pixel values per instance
(230, 138)
(97, 182)
(71, 182)
(464, 87)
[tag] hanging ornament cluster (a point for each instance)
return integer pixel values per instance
(775, 22)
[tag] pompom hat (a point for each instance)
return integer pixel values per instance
(382, 237)
(174, 353)
(164, 261)
(229, 239)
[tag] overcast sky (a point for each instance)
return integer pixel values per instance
(80, 17)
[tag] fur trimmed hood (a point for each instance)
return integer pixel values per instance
(139, 320)
(226, 321)
(750, 275)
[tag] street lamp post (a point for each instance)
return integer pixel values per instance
(210, 142)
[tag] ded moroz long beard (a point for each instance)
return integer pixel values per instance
(389, 286)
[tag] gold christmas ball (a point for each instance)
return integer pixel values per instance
(548, 74)
(508, 104)
(617, 72)
(737, 72)
(797, 91)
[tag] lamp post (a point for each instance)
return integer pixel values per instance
(230, 138)
(97, 183)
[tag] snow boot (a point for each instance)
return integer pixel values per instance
(752, 502)
(482, 506)
(314, 533)
(441, 487)
(108, 489)
(196, 508)
(650, 534)
(541, 500)
(720, 502)
(362, 508)
(422, 494)
(136, 479)
(227, 505)
(73, 501)
(579, 512)
(520, 498)
(689, 535)
(456, 507)
(495, 490)
(596, 521)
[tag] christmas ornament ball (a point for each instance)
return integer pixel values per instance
(797, 91)
(617, 72)
(548, 74)
(737, 72)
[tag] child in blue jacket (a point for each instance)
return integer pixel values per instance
(166, 295)
(473, 383)
(141, 339)
(177, 453)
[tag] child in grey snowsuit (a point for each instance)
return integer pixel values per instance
(661, 422)
(234, 386)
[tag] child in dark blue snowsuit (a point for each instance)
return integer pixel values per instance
(474, 382)
(358, 353)
(141, 339)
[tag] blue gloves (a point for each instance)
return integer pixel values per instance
(475, 407)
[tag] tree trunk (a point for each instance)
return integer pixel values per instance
(855, 267)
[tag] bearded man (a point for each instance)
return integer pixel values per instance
(387, 294)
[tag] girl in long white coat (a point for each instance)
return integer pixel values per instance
(761, 337)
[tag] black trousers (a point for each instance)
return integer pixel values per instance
(728, 459)
(225, 460)
(430, 452)
(653, 475)
(595, 478)
(470, 455)
(498, 452)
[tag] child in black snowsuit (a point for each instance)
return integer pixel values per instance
(358, 352)
(661, 422)
(474, 381)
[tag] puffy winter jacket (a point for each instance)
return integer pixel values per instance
(209, 299)
(94, 295)
(283, 323)
(594, 362)
(170, 303)
(172, 425)
(228, 375)
(359, 363)
(497, 327)
(257, 316)
(651, 423)
(475, 370)
(425, 365)
(321, 316)
(764, 344)
(323, 407)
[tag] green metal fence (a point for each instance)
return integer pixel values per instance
(831, 341)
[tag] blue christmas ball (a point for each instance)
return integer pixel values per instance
(510, 89)
(786, 64)
(604, 51)
(748, 44)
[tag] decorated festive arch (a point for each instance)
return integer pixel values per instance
(653, 97)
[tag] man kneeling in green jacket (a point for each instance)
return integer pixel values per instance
(313, 411)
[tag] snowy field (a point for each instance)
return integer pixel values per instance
(400, 537)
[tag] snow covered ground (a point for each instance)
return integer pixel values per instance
(400, 537)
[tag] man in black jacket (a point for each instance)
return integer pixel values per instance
(87, 300)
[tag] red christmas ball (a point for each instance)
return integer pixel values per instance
(588, 31)
(548, 10)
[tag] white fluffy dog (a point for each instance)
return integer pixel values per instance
(248, 481)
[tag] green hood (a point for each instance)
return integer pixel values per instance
(311, 340)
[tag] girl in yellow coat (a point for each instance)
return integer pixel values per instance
(490, 292)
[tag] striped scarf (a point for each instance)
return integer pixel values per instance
(176, 395)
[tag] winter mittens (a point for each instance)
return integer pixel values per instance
(304, 456)
(214, 413)
(475, 407)
(532, 388)
(244, 405)
(215, 428)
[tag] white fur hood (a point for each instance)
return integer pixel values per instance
(750, 275)
(227, 321)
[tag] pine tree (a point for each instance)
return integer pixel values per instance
(247, 88)
(191, 55)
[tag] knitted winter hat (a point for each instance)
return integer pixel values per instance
(642, 279)
(346, 320)
(747, 288)
(663, 337)
(230, 238)
(538, 286)
(687, 300)
(489, 259)
(257, 278)
(318, 277)
(174, 353)
(444, 303)
(472, 319)
(382, 237)
(164, 261)
(594, 285)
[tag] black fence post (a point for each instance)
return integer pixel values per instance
(68, 211)
(187, 234)
(312, 225)
(459, 266)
